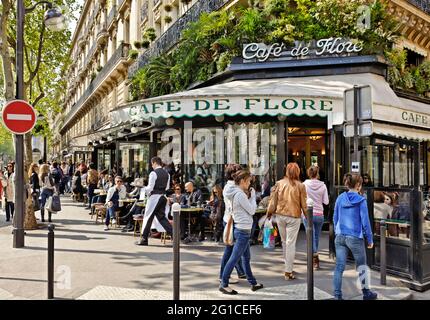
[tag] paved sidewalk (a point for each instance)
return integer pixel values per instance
(94, 264)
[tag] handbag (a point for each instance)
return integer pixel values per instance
(228, 233)
(268, 235)
(36, 202)
(273, 201)
(55, 203)
(48, 203)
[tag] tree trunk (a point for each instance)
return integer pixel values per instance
(30, 222)
(28, 147)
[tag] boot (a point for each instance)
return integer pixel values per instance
(316, 261)
(42, 214)
(369, 295)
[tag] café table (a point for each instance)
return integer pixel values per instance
(127, 201)
(191, 210)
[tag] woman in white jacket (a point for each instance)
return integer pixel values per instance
(243, 210)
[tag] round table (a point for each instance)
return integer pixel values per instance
(190, 211)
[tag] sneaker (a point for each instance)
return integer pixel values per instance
(256, 287)
(369, 295)
(141, 242)
(106, 228)
(228, 290)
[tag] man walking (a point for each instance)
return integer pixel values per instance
(157, 205)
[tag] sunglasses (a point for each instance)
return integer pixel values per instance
(120, 181)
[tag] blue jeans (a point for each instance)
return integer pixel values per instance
(356, 245)
(110, 214)
(44, 195)
(242, 250)
(318, 223)
(226, 256)
(91, 189)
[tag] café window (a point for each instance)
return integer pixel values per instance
(426, 217)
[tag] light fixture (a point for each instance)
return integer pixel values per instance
(170, 121)
(95, 143)
(110, 137)
(219, 118)
(54, 19)
(124, 132)
(292, 129)
(282, 117)
(315, 138)
(323, 152)
(103, 140)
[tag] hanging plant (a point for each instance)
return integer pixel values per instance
(145, 43)
(168, 7)
(137, 44)
(133, 54)
(168, 19)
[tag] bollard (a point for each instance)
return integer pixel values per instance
(51, 261)
(383, 253)
(310, 254)
(176, 209)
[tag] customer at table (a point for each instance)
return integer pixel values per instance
(193, 197)
(177, 196)
(157, 204)
(116, 193)
(136, 209)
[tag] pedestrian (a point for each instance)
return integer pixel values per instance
(8, 182)
(157, 204)
(65, 180)
(47, 185)
(317, 191)
(228, 190)
(34, 185)
(351, 225)
(216, 212)
(57, 175)
(243, 210)
(289, 199)
(92, 181)
(115, 193)
(1, 189)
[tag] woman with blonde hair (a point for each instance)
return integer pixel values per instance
(47, 185)
(34, 184)
(289, 202)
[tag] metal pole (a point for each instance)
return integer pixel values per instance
(309, 240)
(176, 208)
(356, 115)
(18, 231)
(45, 149)
(51, 261)
(383, 257)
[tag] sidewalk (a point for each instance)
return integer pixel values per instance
(94, 264)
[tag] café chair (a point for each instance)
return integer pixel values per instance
(100, 212)
(137, 220)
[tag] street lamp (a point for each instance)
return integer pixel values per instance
(52, 22)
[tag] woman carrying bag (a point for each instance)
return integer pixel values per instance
(47, 185)
(34, 185)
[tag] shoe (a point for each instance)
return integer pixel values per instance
(49, 220)
(127, 229)
(228, 290)
(106, 228)
(141, 242)
(256, 287)
(113, 221)
(316, 262)
(43, 220)
(289, 276)
(369, 295)
(230, 281)
(242, 276)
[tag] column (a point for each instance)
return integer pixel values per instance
(120, 30)
(109, 47)
(134, 21)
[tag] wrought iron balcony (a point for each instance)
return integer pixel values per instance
(172, 36)
(424, 5)
(120, 54)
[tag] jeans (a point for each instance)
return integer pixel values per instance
(288, 229)
(10, 207)
(91, 189)
(226, 256)
(318, 222)
(356, 245)
(242, 250)
(110, 214)
(46, 193)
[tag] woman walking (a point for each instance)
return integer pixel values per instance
(351, 223)
(290, 195)
(34, 184)
(47, 185)
(243, 210)
(317, 191)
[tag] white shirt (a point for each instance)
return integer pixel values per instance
(152, 180)
(122, 193)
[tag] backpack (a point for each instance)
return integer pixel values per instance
(57, 175)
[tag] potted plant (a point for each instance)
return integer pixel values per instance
(145, 43)
(168, 7)
(133, 54)
(150, 34)
(137, 44)
(168, 19)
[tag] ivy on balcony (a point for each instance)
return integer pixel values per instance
(208, 45)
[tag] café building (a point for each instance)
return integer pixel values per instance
(278, 104)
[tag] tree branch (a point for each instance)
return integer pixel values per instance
(39, 54)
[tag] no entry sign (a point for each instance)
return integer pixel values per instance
(19, 116)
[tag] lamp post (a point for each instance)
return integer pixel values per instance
(54, 20)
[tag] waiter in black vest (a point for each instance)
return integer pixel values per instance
(157, 205)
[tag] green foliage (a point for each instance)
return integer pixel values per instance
(208, 45)
(137, 44)
(145, 44)
(133, 54)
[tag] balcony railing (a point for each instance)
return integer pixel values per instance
(424, 5)
(119, 54)
(156, 3)
(172, 36)
(111, 16)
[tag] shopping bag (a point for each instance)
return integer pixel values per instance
(55, 203)
(268, 235)
(228, 233)
(48, 203)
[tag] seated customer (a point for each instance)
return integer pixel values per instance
(115, 193)
(194, 197)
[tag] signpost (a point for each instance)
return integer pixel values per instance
(19, 117)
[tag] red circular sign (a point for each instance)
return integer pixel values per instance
(19, 116)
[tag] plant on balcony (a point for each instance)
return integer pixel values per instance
(168, 7)
(168, 19)
(99, 68)
(150, 34)
(145, 44)
(133, 54)
(137, 44)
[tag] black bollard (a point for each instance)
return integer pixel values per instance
(383, 253)
(176, 208)
(309, 240)
(51, 261)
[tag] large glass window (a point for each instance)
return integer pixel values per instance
(134, 159)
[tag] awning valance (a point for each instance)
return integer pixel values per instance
(401, 132)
